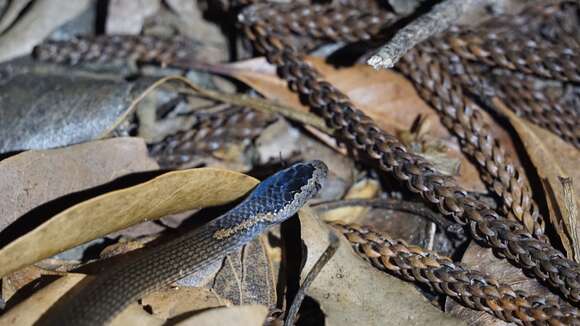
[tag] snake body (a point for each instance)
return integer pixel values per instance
(271, 202)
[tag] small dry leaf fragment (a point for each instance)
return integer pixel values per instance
(364, 189)
(571, 212)
(29, 311)
(247, 277)
(169, 193)
(32, 178)
(172, 302)
(17, 280)
(36, 23)
(11, 12)
(134, 314)
(248, 315)
(420, 141)
(349, 299)
(128, 17)
(553, 158)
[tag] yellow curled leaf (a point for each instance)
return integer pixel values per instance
(29, 311)
(170, 193)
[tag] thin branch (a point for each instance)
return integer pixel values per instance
(312, 274)
(439, 19)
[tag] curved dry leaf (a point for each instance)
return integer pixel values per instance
(13, 282)
(10, 12)
(31, 309)
(243, 277)
(349, 299)
(385, 96)
(36, 23)
(128, 17)
(46, 107)
(247, 277)
(169, 193)
(249, 315)
(171, 302)
(30, 179)
(134, 314)
(553, 158)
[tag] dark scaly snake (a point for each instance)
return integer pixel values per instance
(273, 201)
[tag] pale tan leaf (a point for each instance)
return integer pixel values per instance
(248, 315)
(30, 310)
(349, 299)
(171, 302)
(32, 178)
(20, 278)
(364, 189)
(553, 159)
(169, 193)
(247, 277)
(36, 23)
(134, 314)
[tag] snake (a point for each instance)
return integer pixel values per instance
(273, 201)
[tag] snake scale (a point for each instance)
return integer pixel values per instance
(274, 200)
(444, 70)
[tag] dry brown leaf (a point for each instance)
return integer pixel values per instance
(385, 96)
(169, 193)
(32, 178)
(553, 158)
(17, 280)
(249, 315)
(281, 141)
(128, 17)
(172, 302)
(349, 299)
(247, 277)
(30, 310)
(36, 23)
(134, 314)
(11, 12)
(364, 189)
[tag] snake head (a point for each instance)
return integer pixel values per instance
(301, 182)
(281, 195)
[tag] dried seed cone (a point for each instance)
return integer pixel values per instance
(114, 48)
(509, 238)
(529, 55)
(470, 288)
(463, 117)
(551, 105)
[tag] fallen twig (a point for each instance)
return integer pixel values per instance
(441, 17)
(312, 274)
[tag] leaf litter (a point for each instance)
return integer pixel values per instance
(161, 107)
